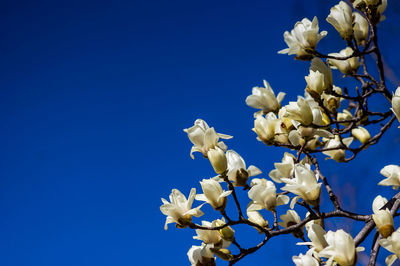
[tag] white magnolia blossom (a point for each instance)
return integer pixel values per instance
(396, 103)
(305, 260)
(298, 136)
(290, 218)
(361, 134)
(201, 255)
(217, 159)
(315, 82)
(317, 236)
(360, 28)
(237, 171)
(264, 98)
(213, 194)
(304, 111)
(341, 249)
(392, 174)
(392, 244)
(348, 66)
(382, 217)
(283, 169)
(212, 237)
(341, 17)
(343, 116)
(263, 194)
(303, 38)
(204, 138)
(337, 154)
(257, 218)
(179, 210)
(265, 127)
(320, 78)
(304, 184)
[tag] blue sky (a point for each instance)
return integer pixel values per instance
(94, 98)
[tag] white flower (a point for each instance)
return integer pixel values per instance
(283, 169)
(317, 236)
(211, 237)
(315, 82)
(347, 66)
(256, 217)
(320, 77)
(263, 194)
(217, 159)
(392, 174)
(208, 236)
(303, 111)
(204, 138)
(396, 103)
(179, 210)
(201, 255)
(341, 18)
(361, 134)
(341, 248)
(360, 28)
(337, 154)
(382, 217)
(237, 171)
(305, 260)
(213, 194)
(392, 243)
(304, 184)
(303, 38)
(291, 218)
(345, 115)
(264, 127)
(264, 99)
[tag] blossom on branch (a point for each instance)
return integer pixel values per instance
(303, 39)
(341, 17)
(341, 249)
(264, 98)
(204, 138)
(179, 210)
(392, 174)
(213, 194)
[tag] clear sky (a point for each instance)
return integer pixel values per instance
(94, 97)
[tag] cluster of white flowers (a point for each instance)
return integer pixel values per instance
(317, 122)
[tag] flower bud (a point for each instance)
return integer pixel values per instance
(345, 115)
(382, 217)
(227, 233)
(361, 134)
(315, 83)
(341, 18)
(222, 253)
(396, 103)
(360, 28)
(384, 222)
(218, 160)
(256, 217)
